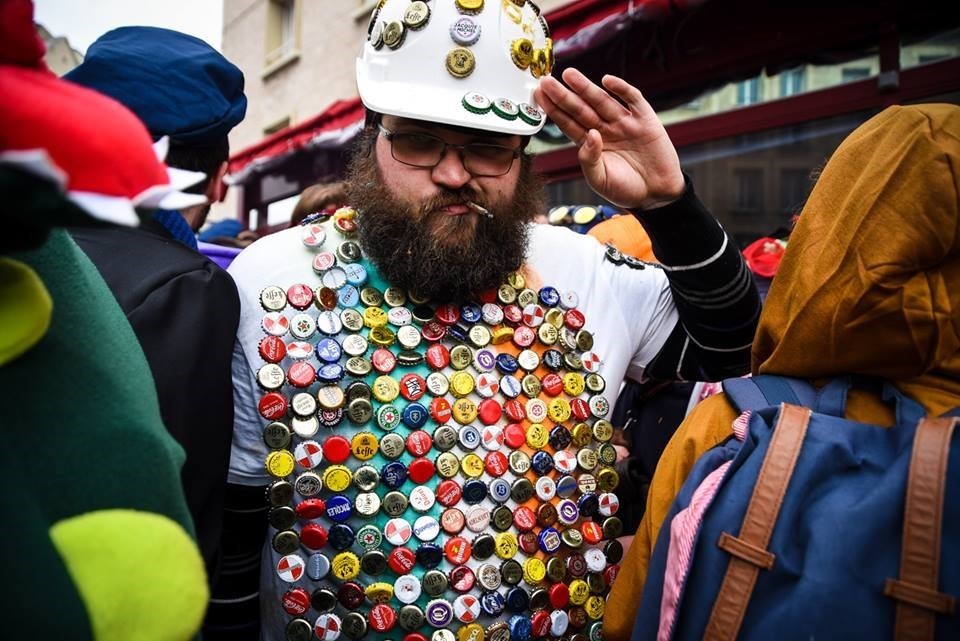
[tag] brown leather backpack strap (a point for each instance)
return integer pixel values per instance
(918, 601)
(749, 550)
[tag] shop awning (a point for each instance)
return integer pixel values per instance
(331, 129)
(583, 25)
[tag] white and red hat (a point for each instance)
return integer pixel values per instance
(91, 146)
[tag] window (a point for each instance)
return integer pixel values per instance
(748, 194)
(282, 39)
(273, 128)
(853, 74)
(792, 82)
(748, 92)
(795, 185)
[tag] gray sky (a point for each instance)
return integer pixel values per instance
(83, 21)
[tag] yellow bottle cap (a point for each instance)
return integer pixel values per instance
(385, 389)
(364, 446)
(345, 566)
(461, 384)
(537, 435)
(559, 410)
(507, 547)
(472, 465)
(374, 317)
(573, 383)
(595, 606)
(464, 411)
(534, 571)
(337, 478)
(579, 591)
(501, 334)
(280, 463)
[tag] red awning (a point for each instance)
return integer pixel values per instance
(332, 128)
(586, 24)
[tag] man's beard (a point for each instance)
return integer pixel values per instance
(433, 254)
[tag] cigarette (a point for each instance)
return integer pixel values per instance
(479, 209)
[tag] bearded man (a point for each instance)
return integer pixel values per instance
(421, 381)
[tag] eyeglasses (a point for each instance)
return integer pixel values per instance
(419, 149)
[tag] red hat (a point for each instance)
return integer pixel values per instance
(763, 256)
(94, 148)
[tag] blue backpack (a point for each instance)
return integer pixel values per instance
(806, 536)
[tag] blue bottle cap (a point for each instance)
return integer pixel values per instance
(541, 462)
(520, 628)
(470, 313)
(429, 555)
(549, 540)
(330, 373)
(458, 332)
(552, 359)
(356, 273)
(566, 486)
(507, 364)
(341, 537)
(393, 474)
(492, 603)
(499, 490)
(414, 416)
(474, 491)
(339, 508)
(348, 296)
(588, 504)
(328, 350)
(318, 565)
(517, 599)
(549, 296)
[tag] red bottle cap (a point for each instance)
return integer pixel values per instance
(489, 411)
(457, 550)
(313, 535)
(336, 449)
(552, 384)
(272, 406)
(448, 492)
(524, 518)
(559, 595)
(440, 410)
(296, 601)
(514, 436)
(495, 463)
(401, 560)
(382, 617)
(419, 442)
(540, 623)
(438, 356)
(421, 470)
(412, 386)
(301, 374)
(514, 411)
(311, 508)
(272, 349)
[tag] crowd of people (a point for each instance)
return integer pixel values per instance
(420, 413)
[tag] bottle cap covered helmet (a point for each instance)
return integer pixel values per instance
(468, 63)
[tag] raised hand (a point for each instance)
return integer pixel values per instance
(625, 153)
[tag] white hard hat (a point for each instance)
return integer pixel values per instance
(469, 63)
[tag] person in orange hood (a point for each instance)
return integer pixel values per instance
(873, 261)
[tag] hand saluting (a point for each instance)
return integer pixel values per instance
(625, 153)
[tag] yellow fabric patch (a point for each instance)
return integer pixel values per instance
(139, 574)
(25, 309)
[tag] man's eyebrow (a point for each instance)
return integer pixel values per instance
(435, 129)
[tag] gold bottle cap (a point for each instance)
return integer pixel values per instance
(461, 62)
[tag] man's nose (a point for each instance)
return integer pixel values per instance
(450, 171)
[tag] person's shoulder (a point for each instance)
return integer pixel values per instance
(269, 248)
(554, 236)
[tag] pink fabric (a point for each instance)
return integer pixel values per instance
(683, 532)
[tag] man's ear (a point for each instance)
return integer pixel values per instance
(217, 189)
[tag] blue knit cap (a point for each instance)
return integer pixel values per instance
(178, 85)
